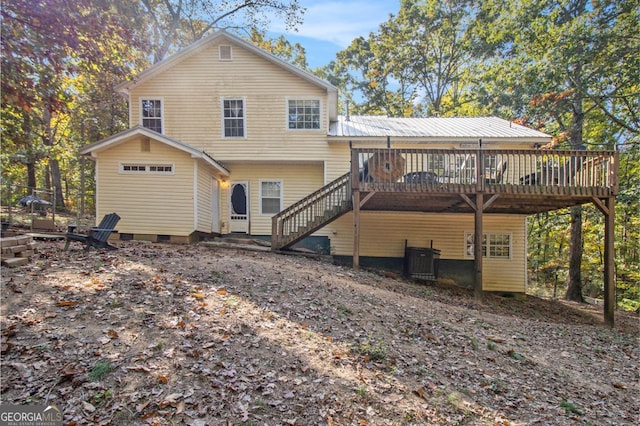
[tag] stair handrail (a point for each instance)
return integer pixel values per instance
(304, 212)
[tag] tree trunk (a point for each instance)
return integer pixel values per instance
(56, 181)
(574, 289)
(54, 165)
(31, 175)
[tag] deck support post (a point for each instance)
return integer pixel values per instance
(609, 263)
(356, 230)
(477, 246)
(608, 210)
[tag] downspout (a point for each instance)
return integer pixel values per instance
(195, 194)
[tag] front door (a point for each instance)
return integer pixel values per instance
(239, 203)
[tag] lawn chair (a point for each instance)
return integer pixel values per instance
(97, 236)
(495, 176)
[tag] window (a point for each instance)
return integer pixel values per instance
(270, 196)
(152, 114)
(304, 114)
(134, 168)
(497, 246)
(466, 168)
(161, 169)
(436, 164)
(146, 168)
(233, 118)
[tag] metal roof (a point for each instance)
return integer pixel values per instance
(432, 127)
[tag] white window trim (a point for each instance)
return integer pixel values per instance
(487, 236)
(152, 98)
(260, 182)
(244, 118)
(147, 165)
(286, 115)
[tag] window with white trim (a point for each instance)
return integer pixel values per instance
(233, 123)
(436, 164)
(146, 168)
(270, 196)
(304, 113)
(494, 245)
(152, 114)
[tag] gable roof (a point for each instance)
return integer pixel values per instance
(133, 132)
(332, 91)
(473, 128)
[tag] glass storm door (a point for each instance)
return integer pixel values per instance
(239, 207)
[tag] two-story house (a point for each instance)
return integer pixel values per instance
(226, 138)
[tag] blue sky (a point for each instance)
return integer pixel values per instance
(330, 26)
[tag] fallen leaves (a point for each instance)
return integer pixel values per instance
(163, 334)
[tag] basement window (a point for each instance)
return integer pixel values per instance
(494, 245)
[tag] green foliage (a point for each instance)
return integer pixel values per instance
(101, 369)
(361, 391)
(549, 237)
(416, 63)
(102, 396)
(281, 47)
(515, 355)
(570, 407)
(374, 351)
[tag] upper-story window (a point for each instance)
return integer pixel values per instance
(152, 114)
(233, 123)
(304, 114)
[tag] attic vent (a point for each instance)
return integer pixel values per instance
(145, 145)
(225, 53)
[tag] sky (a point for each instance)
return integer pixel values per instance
(330, 26)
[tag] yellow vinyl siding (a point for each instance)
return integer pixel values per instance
(204, 202)
(298, 181)
(383, 234)
(148, 203)
(192, 93)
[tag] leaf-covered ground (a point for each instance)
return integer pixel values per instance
(197, 335)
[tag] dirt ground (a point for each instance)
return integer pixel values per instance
(159, 334)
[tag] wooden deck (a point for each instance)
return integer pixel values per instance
(513, 181)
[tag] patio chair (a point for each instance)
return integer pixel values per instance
(421, 177)
(496, 177)
(97, 236)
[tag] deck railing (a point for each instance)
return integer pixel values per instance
(311, 213)
(485, 170)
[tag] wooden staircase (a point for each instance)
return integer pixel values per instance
(311, 213)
